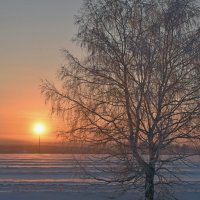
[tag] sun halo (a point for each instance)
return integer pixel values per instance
(39, 128)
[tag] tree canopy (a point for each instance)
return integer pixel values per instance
(137, 90)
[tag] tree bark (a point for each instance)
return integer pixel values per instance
(149, 183)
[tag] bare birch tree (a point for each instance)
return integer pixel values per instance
(137, 91)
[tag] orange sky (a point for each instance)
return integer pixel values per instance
(32, 33)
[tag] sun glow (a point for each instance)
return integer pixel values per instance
(39, 128)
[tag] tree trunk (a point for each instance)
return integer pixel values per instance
(149, 183)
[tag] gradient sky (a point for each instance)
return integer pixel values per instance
(32, 32)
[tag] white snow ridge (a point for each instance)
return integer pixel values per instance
(59, 177)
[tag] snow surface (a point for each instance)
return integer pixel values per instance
(59, 177)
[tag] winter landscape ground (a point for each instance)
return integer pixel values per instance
(59, 177)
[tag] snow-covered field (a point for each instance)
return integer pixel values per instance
(59, 177)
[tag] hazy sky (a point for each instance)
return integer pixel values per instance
(32, 32)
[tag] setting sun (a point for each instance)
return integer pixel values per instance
(39, 128)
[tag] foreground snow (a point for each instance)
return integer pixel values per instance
(58, 177)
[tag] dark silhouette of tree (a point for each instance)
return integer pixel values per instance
(137, 90)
